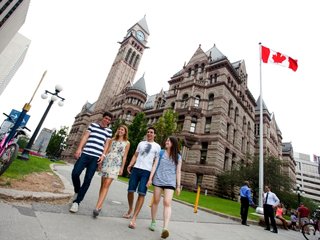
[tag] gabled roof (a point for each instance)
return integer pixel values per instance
(199, 55)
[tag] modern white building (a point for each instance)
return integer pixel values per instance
(12, 16)
(42, 141)
(11, 59)
(307, 173)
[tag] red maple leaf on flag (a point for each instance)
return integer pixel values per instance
(278, 58)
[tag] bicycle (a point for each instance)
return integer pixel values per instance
(9, 147)
(311, 230)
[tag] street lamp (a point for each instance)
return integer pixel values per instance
(299, 192)
(55, 96)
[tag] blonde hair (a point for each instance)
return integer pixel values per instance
(125, 137)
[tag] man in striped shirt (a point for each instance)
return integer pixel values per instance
(90, 149)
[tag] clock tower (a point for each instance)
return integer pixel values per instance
(124, 67)
(122, 73)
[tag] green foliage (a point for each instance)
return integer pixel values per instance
(116, 124)
(280, 183)
(166, 126)
(136, 131)
(20, 168)
(57, 142)
(23, 141)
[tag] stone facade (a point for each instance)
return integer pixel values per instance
(217, 113)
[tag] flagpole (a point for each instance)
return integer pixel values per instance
(261, 139)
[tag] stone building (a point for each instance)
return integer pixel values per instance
(217, 113)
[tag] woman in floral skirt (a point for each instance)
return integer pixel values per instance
(111, 163)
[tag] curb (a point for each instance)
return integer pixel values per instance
(7, 194)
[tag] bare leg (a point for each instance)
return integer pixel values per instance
(130, 197)
(137, 208)
(103, 191)
(155, 203)
(101, 185)
(167, 199)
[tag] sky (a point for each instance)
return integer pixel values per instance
(76, 43)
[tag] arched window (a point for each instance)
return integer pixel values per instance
(230, 108)
(236, 114)
(244, 123)
(196, 69)
(185, 100)
(215, 78)
(228, 129)
(128, 55)
(172, 105)
(193, 124)
(210, 79)
(197, 101)
(132, 57)
(207, 126)
(136, 60)
(189, 72)
(202, 67)
(128, 115)
(210, 102)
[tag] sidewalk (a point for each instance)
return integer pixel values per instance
(47, 221)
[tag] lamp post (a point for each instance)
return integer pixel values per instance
(55, 96)
(299, 192)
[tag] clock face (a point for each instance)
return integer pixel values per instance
(140, 36)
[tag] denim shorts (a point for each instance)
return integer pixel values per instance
(139, 177)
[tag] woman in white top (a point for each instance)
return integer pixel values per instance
(166, 177)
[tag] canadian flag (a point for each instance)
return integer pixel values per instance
(270, 56)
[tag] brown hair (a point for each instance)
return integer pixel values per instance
(174, 151)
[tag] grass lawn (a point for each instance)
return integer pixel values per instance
(20, 168)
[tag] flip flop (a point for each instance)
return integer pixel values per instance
(126, 215)
(132, 225)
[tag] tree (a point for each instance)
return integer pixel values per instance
(116, 124)
(280, 183)
(57, 142)
(165, 126)
(23, 141)
(136, 131)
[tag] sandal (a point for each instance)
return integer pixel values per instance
(126, 215)
(132, 225)
(165, 233)
(96, 212)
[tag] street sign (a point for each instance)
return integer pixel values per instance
(14, 114)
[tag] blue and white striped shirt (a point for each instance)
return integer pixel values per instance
(97, 139)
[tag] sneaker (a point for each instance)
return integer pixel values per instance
(165, 233)
(74, 208)
(152, 226)
(96, 212)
